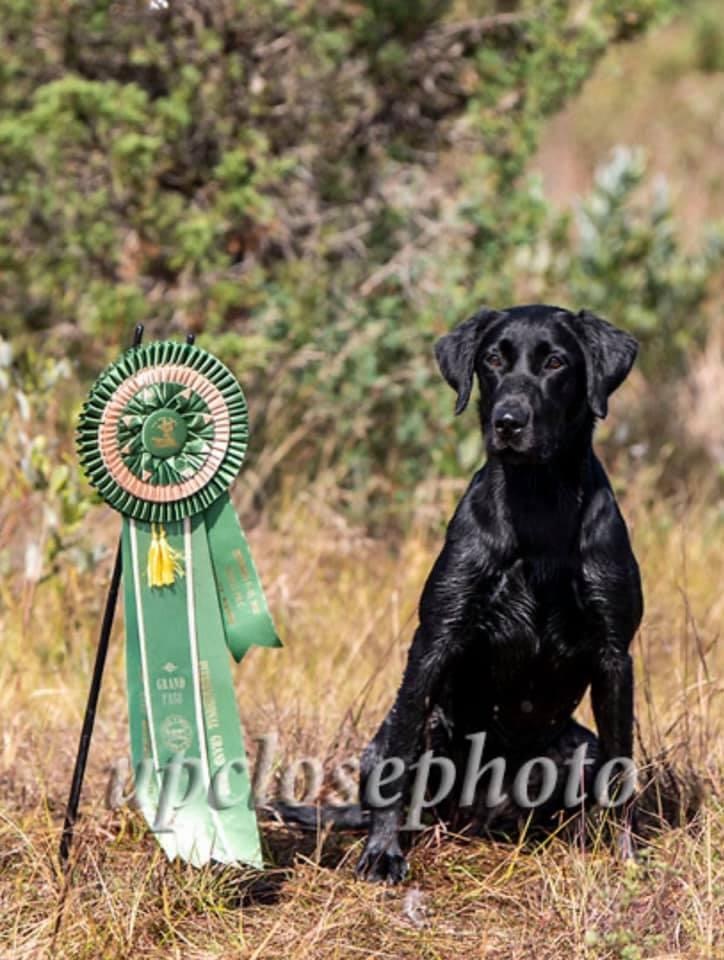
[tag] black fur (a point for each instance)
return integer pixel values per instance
(536, 594)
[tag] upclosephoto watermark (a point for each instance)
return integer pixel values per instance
(184, 781)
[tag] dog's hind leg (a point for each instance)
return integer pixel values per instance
(532, 801)
(577, 756)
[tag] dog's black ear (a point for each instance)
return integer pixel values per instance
(609, 354)
(455, 354)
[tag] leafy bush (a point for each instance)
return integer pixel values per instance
(38, 469)
(709, 39)
(321, 188)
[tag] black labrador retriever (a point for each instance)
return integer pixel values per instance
(536, 594)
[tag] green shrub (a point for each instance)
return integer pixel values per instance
(321, 189)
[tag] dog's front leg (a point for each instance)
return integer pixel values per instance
(612, 702)
(615, 607)
(385, 764)
(445, 609)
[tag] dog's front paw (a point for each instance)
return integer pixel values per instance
(382, 862)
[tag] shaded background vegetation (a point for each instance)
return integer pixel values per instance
(318, 190)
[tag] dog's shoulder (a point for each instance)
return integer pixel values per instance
(478, 523)
(606, 551)
(464, 516)
(602, 517)
(475, 512)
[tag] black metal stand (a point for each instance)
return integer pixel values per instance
(71, 810)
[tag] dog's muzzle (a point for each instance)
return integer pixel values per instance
(510, 418)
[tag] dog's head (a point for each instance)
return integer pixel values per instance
(543, 371)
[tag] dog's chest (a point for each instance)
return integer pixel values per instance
(527, 662)
(534, 622)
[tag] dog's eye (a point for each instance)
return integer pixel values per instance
(493, 360)
(554, 362)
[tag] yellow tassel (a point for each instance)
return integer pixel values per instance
(164, 563)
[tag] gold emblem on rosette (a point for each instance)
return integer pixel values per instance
(164, 432)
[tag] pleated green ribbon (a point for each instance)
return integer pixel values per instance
(162, 430)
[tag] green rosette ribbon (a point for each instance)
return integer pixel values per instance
(161, 436)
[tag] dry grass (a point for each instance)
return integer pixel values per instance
(701, 396)
(345, 606)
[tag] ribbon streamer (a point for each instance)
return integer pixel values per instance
(162, 434)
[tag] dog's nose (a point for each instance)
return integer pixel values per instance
(509, 420)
